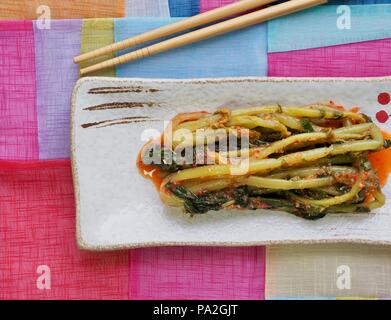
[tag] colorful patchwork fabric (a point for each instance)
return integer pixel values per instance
(37, 227)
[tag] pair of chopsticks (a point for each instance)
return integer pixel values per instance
(220, 28)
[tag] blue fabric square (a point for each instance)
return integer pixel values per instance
(184, 8)
(239, 53)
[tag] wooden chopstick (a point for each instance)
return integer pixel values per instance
(208, 32)
(192, 22)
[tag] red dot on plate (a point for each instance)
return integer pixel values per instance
(382, 116)
(384, 98)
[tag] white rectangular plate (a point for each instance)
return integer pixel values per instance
(118, 208)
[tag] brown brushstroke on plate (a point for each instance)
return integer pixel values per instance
(120, 105)
(113, 122)
(124, 89)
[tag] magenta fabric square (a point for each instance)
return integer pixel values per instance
(197, 273)
(206, 5)
(18, 120)
(363, 59)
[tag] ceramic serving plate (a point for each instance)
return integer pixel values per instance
(117, 207)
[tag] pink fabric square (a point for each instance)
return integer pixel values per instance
(37, 228)
(206, 5)
(18, 119)
(364, 59)
(197, 273)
